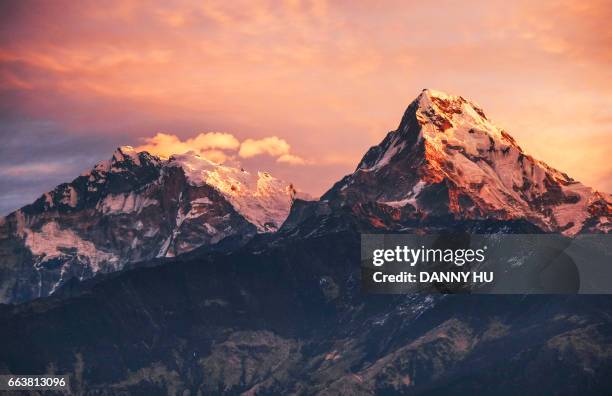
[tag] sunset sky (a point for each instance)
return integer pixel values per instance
(298, 88)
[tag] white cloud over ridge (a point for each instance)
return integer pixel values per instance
(221, 147)
(272, 146)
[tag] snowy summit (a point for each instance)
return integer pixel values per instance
(447, 156)
(134, 207)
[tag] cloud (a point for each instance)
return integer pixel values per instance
(220, 147)
(208, 144)
(217, 156)
(272, 146)
(29, 170)
(291, 159)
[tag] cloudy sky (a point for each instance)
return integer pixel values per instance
(299, 88)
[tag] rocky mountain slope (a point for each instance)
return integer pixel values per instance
(131, 208)
(448, 158)
(284, 313)
(287, 317)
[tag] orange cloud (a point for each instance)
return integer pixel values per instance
(291, 159)
(272, 146)
(220, 147)
(208, 144)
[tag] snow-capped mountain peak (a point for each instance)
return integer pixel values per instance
(446, 112)
(261, 198)
(133, 207)
(124, 153)
(447, 156)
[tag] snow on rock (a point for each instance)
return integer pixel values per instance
(506, 178)
(102, 166)
(573, 215)
(124, 153)
(131, 208)
(452, 141)
(124, 203)
(395, 148)
(410, 198)
(53, 242)
(260, 198)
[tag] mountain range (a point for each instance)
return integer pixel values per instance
(131, 208)
(269, 302)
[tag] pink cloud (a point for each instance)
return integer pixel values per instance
(220, 147)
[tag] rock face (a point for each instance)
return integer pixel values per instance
(131, 208)
(448, 158)
(284, 313)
